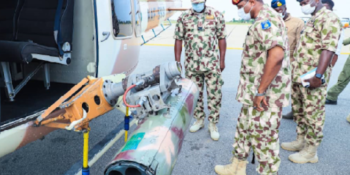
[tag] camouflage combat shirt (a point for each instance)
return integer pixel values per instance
(321, 32)
(267, 32)
(201, 32)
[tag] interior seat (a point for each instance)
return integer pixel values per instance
(41, 30)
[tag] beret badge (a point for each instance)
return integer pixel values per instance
(235, 2)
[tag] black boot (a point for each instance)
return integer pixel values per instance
(288, 115)
(331, 102)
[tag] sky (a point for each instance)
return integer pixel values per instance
(292, 5)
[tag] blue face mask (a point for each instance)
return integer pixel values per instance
(198, 7)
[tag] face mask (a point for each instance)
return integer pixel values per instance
(307, 9)
(243, 15)
(198, 7)
(282, 15)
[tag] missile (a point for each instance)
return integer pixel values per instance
(155, 144)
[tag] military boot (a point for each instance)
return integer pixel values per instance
(214, 131)
(288, 115)
(331, 102)
(348, 118)
(199, 124)
(237, 167)
(307, 154)
(296, 145)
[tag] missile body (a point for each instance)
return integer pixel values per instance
(155, 144)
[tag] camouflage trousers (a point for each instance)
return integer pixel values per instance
(343, 81)
(259, 131)
(309, 112)
(213, 83)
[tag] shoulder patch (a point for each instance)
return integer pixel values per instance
(265, 25)
(209, 17)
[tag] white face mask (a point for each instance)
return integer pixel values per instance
(243, 15)
(282, 15)
(307, 9)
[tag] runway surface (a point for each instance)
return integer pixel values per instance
(61, 149)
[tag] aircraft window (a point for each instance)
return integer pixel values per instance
(121, 18)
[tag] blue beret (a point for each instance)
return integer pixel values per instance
(277, 3)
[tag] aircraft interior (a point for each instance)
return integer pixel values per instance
(34, 34)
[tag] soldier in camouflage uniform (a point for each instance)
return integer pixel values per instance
(294, 26)
(264, 88)
(343, 79)
(202, 28)
(318, 43)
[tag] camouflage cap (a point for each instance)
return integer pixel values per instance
(197, 1)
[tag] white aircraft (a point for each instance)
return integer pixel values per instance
(47, 46)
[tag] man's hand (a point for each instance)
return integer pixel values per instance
(181, 67)
(257, 103)
(314, 82)
(222, 66)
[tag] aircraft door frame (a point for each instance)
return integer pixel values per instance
(137, 13)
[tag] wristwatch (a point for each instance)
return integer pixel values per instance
(319, 76)
(260, 95)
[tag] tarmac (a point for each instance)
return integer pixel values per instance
(61, 149)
